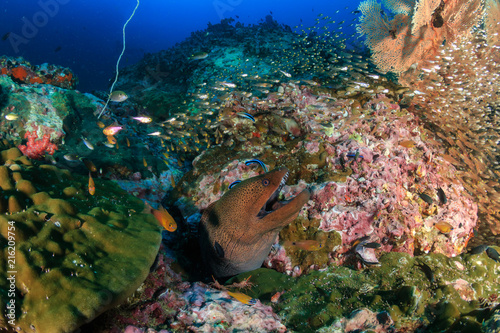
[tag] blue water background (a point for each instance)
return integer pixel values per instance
(86, 35)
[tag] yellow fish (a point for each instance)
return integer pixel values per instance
(111, 139)
(11, 116)
(245, 299)
(407, 143)
(165, 219)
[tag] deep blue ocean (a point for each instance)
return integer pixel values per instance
(86, 36)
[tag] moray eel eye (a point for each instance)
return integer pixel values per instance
(265, 182)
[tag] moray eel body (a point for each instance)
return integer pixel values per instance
(237, 231)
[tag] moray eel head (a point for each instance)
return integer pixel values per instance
(237, 232)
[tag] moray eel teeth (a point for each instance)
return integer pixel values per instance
(272, 203)
(237, 232)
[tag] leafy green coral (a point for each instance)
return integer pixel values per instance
(76, 255)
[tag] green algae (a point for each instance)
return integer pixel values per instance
(460, 288)
(76, 255)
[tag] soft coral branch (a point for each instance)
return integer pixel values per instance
(34, 148)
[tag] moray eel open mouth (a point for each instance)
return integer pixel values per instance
(238, 230)
(272, 204)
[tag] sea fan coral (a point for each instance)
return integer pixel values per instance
(410, 37)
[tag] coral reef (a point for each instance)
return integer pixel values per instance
(398, 295)
(23, 72)
(75, 254)
(166, 302)
(397, 178)
(40, 108)
(412, 298)
(447, 53)
(369, 168)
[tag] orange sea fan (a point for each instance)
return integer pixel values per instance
(460, 16)
(393, 45)
(422, 14)
(417, 34)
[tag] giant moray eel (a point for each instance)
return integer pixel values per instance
(237, 231)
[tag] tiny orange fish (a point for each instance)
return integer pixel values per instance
(166, 220)
(307, 245)
(112, 129)
(100, 124)
(407, 143)
(91, 185)
(144, 162)
(128, 142)
(111, 139)
(450, 159)
(275, 298)
(172, 181)
(444, 227)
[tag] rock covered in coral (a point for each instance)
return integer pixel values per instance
(362, 319)
(369, 168)
(42, 109)
(400, 286)
(23, 72)
(75, 255)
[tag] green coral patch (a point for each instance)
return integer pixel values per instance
(71, 255)
(456, 292)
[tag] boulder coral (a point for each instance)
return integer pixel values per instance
(71, 255)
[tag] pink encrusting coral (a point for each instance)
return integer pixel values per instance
(382, 195)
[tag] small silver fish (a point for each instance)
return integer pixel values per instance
(88, 143)
(143, 119)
